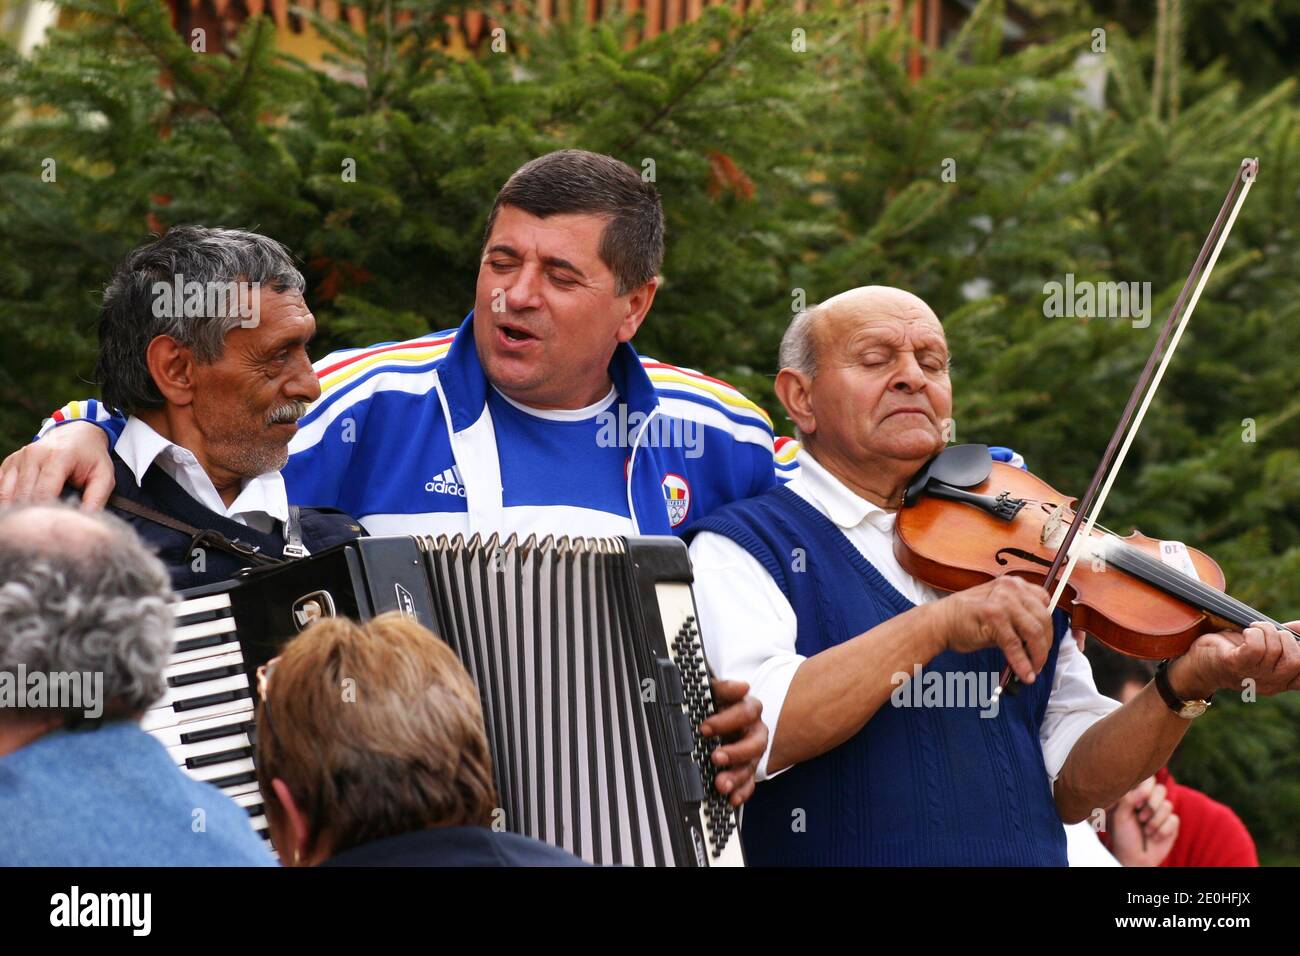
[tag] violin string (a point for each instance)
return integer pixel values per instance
(1145, 567)
(1183, 585)
(1190, 589)
(1054, 504)
(1137, 562)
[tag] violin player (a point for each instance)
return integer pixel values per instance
(885, 745)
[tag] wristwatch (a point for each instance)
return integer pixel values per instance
(1186, 709)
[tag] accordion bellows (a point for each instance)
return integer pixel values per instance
(586, 653)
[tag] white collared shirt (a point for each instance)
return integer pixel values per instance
(749, 627)
(1084, 848)
(262, 500)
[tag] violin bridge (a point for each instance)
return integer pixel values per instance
(1053, 529)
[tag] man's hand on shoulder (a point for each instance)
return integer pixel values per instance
(739, 723)
(75, 453)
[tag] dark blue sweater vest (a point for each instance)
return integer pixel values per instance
(321, 528)
(917, 785)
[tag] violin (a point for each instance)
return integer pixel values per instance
(967, 519)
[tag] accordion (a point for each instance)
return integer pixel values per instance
(586, 653)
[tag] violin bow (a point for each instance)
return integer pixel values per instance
(1144, 391)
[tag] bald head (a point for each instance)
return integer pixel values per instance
(865, 379)
(803, 340)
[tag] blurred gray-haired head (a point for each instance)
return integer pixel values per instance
(81, 594)
(218, 260)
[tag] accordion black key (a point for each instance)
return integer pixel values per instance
(586, 653)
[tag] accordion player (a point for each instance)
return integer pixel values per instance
(586, 653)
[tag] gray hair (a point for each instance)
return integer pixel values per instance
(81, 594)
(798, 350)
(128, 319)
(578, 181)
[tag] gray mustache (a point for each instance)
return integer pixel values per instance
(286, 414)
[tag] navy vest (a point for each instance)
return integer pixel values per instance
(917, 785)
(321, 528)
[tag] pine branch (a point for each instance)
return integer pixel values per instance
(667, 109)
(189, 79)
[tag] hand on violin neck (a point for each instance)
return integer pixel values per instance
(1260, 658)
(1007, 612)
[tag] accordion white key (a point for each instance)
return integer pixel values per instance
(586, 653)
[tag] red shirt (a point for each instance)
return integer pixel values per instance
(1209, 833)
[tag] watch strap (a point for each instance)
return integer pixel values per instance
(1167, 692)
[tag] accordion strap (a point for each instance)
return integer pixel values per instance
(198, 537)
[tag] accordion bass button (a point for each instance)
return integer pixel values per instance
(670, 682)
(692, 784)
(683, 734)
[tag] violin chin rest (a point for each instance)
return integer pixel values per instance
(959, 466)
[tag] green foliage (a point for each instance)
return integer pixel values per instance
(781, 171)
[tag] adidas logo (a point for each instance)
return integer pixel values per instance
(448, 483)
